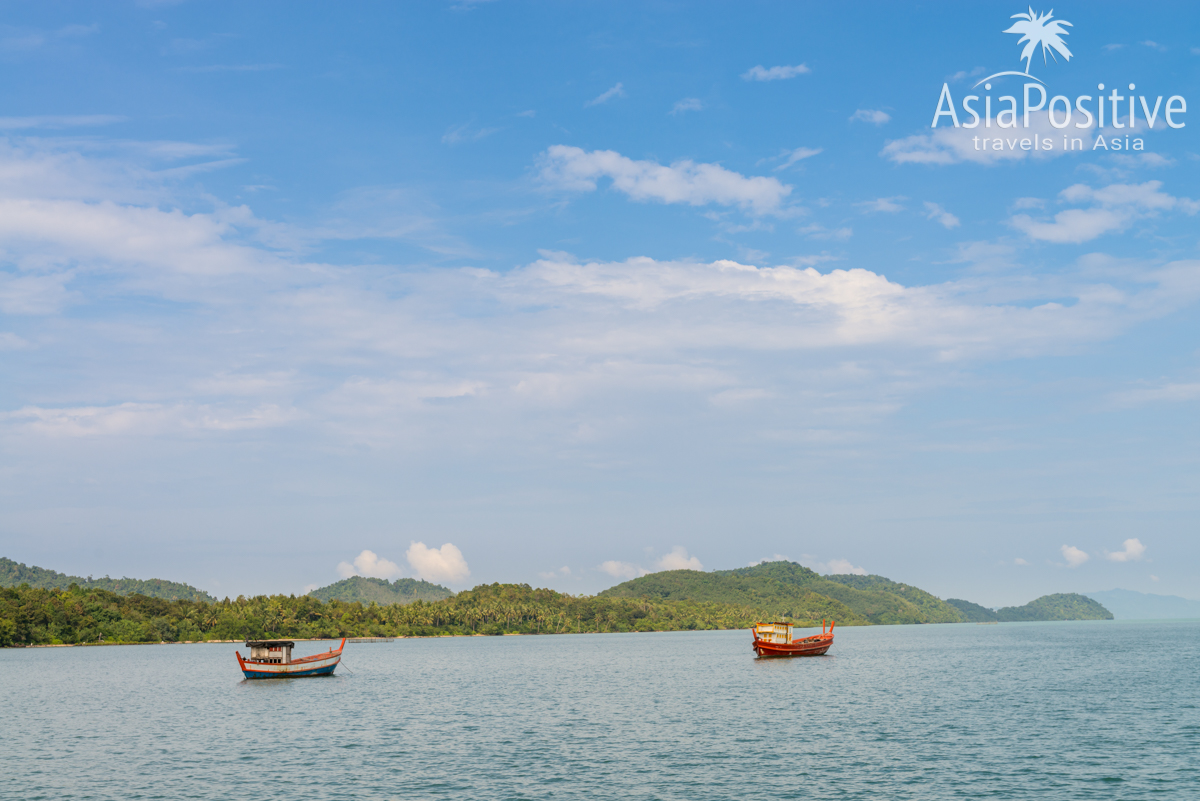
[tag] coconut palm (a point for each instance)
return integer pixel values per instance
(1038, 29)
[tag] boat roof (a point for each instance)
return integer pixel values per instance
(269, 643)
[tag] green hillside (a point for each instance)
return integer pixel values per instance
(14, 574)
(777, 596)
(974, 613)
(1059, 606)
(367, 590)
(926, 608)
(794, 590)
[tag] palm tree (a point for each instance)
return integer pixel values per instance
(1037, 29)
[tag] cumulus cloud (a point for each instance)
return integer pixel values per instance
(678, 559)
(687, 104)
(371, 565)
(574, 169)
(607, 95)
(1019, 561)
(841, 566)
(1074, 556)
(622, 570)
(761, 73)
(445, 564)
(1111, 209)
(562, 572)
(871, 116)
(1132, 552)
(939, 215)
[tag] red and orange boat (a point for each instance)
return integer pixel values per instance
(775, 639)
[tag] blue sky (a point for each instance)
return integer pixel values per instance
(560, 293)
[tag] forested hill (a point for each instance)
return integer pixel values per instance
(1060, 606)
(365, 590)
(851, 600)
(14, 574)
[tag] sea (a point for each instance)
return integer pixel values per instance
(1078, 710)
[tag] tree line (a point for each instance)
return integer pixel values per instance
(34, 616)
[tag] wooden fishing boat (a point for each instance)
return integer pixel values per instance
(775, 639)
(272, 659)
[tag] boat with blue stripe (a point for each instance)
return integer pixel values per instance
(272, 659)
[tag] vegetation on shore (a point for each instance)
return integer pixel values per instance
(13, 574)
(376, 590)
(34, 616)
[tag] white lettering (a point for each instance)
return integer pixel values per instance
(1171, 109)
(949, 101)
(1066, 101)
(1041, 103)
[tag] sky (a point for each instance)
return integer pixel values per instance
(563, 293)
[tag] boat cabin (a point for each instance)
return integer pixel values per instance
(777, 633)
(277, 652)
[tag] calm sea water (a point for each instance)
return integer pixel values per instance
(1041, 710)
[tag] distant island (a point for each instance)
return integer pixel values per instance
(68, 609)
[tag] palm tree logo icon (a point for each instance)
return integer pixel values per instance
(1038, 30)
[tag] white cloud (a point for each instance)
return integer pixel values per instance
(562, 572)
(1166, 393)
(1113, 208)
(687, 104)
(832, 567)
(144, 419)
(607, 95)
(791, 157)
(872, 116)
(1108, 48)
(760, 73)
(574, 169)
(1019, 561)
(1153, 577)
(1154, 45)
(1074, 556)
(939, 215)
(622, 570)
(963, 75)
(463, 133)
(445, 564)
(1132, 552)
(882, 205)
(371, 565)
(678, 559)
(61, 121)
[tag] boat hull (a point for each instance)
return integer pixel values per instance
(801, 648)
(318, 665)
